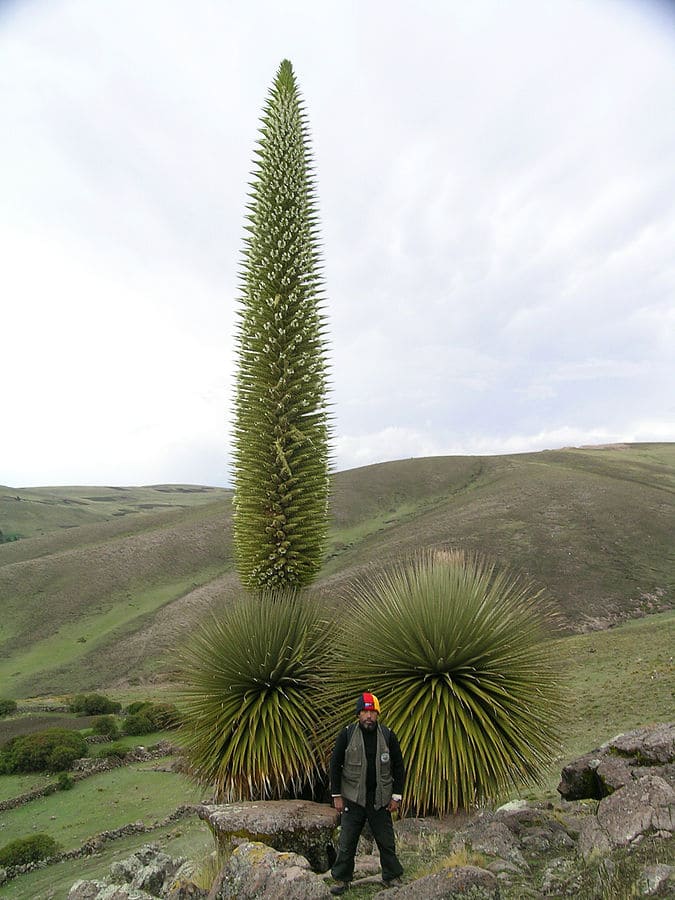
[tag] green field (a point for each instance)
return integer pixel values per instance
(135, 793)
(188, 838)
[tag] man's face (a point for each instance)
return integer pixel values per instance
(368, 719)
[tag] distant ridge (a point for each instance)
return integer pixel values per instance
(112, 576)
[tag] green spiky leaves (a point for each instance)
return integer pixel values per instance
(255, 721)
(281, 435)
(459, 658)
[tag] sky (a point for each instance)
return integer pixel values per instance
(496, 185)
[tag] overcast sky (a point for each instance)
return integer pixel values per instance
(497, 192)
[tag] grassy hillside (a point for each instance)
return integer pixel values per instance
(100, 589)
(617, 679)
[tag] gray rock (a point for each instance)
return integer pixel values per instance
(525, 816)
(463, 881)
(593, 839)
(3, 875)
(543, 839)
(298, 826)
(146, 873)
(578, 779)
(257, 872)
(182, 889)
(503, 869)
(124, 870)
(641, 806)
(657, 880)
(99, 890)
(653, 745)
(85, 890)
(493, 839)
(613, 773)
(560, 877)
(619, 761)
(151, 878)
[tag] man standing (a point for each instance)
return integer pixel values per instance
(366, 778)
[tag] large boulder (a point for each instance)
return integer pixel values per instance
(297, 826)
(254, 871)
(578, 779)
(643, 806)
(622, 760)
(653, 746)
(450, 884)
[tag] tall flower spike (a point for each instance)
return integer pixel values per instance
(282, 426)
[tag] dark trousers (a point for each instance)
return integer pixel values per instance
(354, 818)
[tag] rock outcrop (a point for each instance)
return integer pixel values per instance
(145, 875)
(296, 826)
(470, 882)
(255, 871)
(626, 758)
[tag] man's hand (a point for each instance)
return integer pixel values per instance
(393, 805)
(339, 804)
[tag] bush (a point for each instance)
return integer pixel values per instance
(161, 715)
(28, 849)
(7, 707)
(105, 725)
(93, 705)
(64, 781)
(50, 751)
(164, 715)
(138, 723)
(464, 672)
(119, 751)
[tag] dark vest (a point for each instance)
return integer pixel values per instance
(353, 785)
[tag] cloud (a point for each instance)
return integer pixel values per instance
(495, 187)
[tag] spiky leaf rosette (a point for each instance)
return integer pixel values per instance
(254, 726)
(281, 433)
(460, 660)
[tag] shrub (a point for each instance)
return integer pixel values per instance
(106, 725)
(28, 849)
(93, 705)
(138, 723)
(119, 751)
(462, 667)
(41, 751)
(161, 715)
(64, 781)
(7, 707)
(254, 727)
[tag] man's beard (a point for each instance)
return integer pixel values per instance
(369, 726)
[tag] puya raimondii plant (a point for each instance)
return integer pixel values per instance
(282, 425)
(255, 679)
(461, 660)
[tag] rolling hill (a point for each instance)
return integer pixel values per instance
(102, 582)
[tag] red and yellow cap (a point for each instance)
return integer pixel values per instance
(367, 701)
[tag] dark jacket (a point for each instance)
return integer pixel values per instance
(367, 766)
